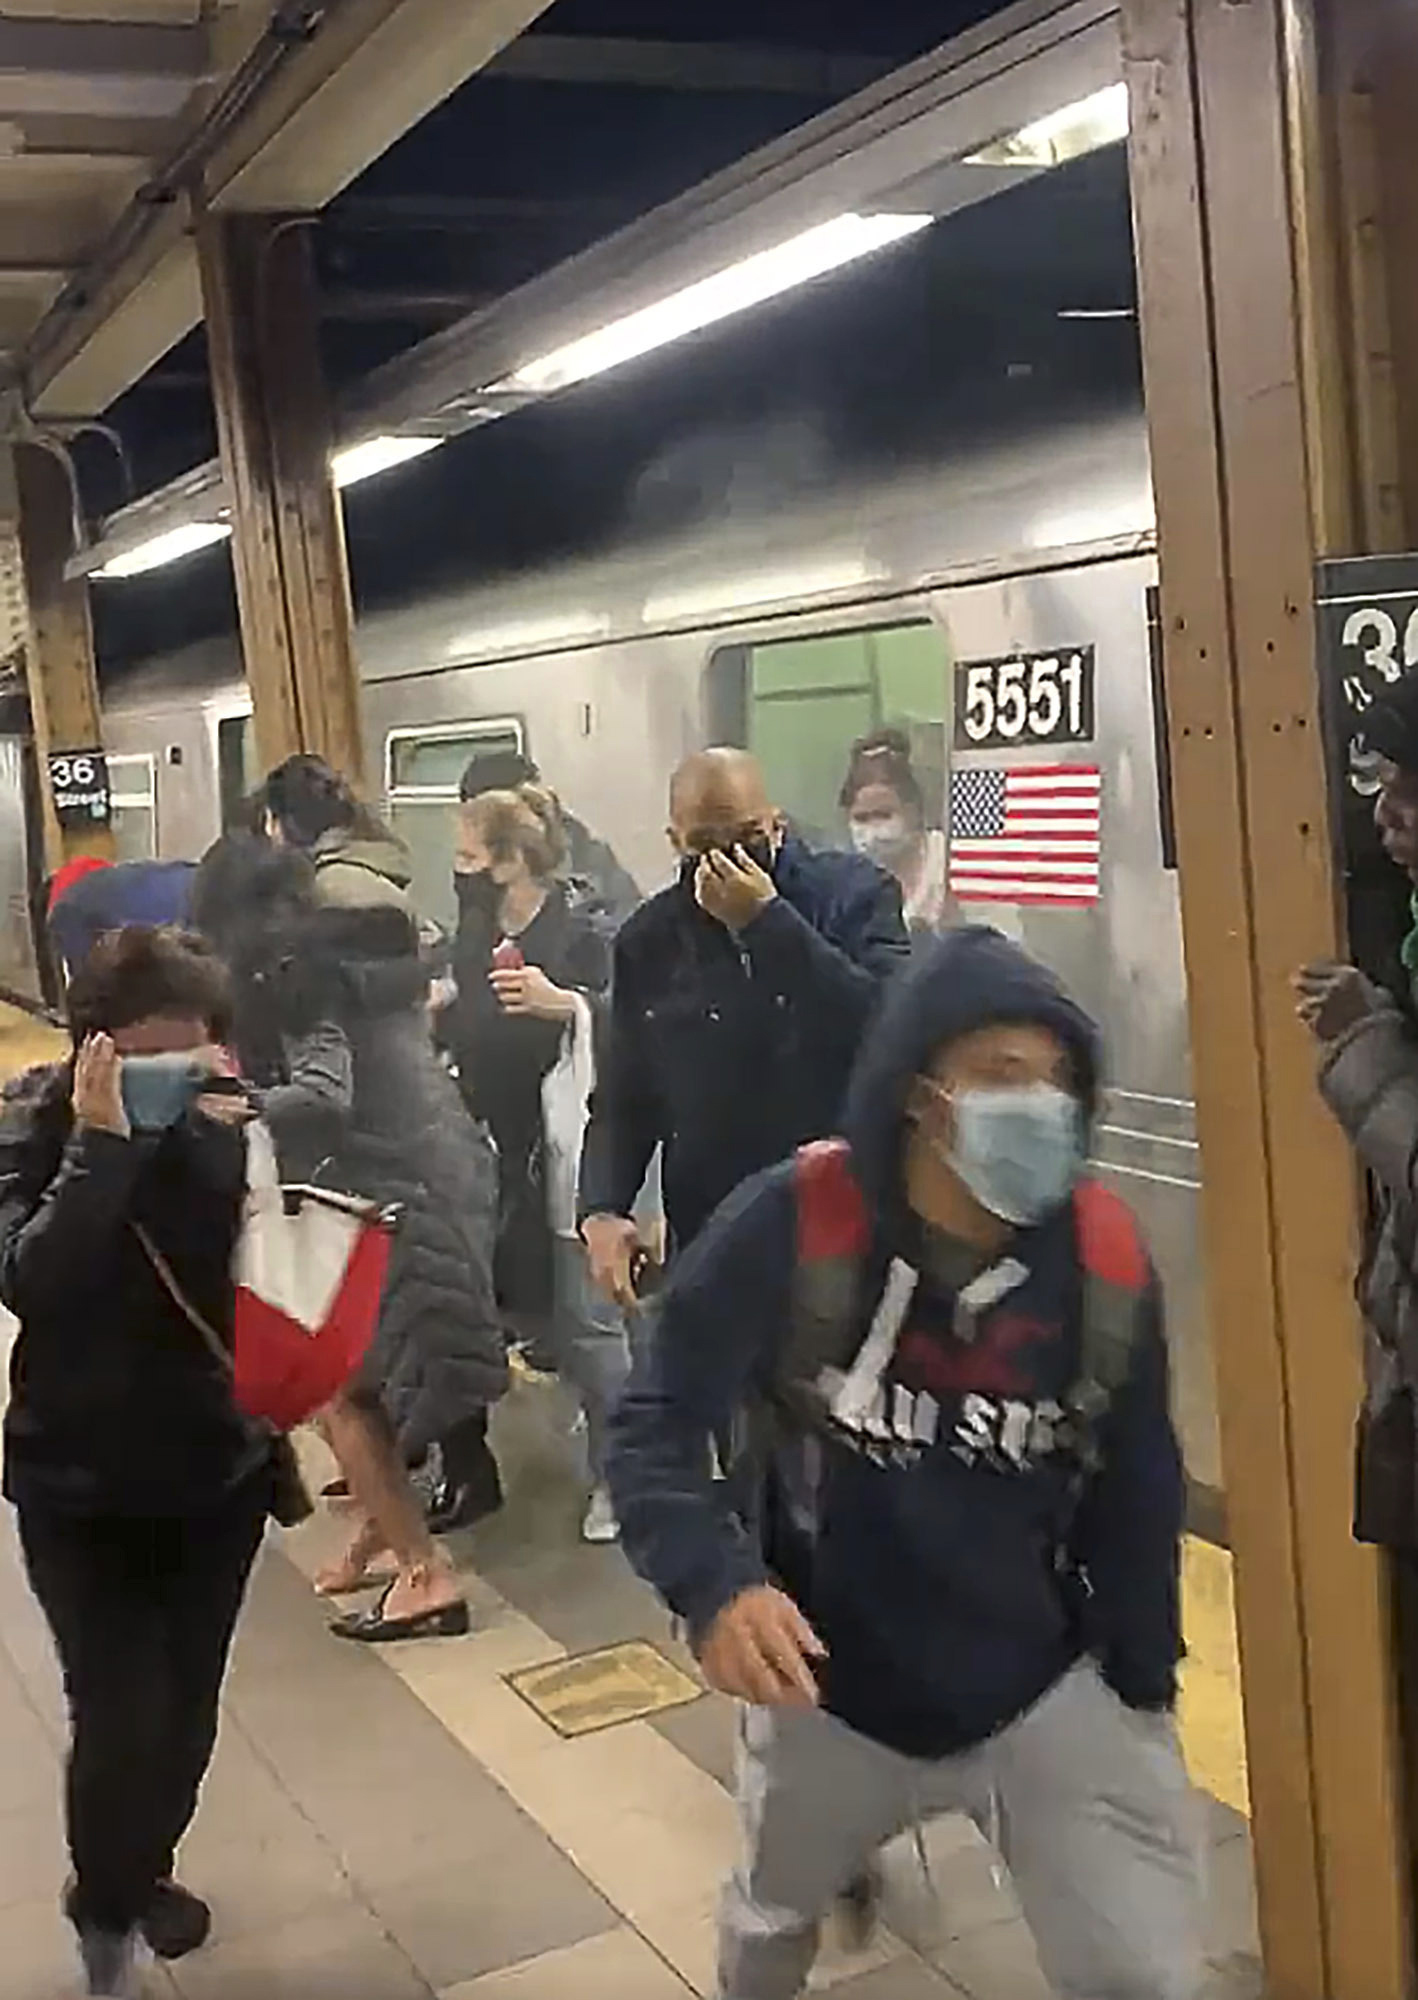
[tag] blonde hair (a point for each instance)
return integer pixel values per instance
(525, 823)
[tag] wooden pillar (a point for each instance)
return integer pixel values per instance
(1254, 468)
(292, 580)
(59, 658)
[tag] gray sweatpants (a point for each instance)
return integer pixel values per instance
(1088, 1802)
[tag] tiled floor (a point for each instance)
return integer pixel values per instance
(397, 1827)
(405, 1826)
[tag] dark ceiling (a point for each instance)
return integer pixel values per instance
(956, 331)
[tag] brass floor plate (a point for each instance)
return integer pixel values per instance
(593, 1691)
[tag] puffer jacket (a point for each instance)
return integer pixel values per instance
(362, 872)
(1369, 1079)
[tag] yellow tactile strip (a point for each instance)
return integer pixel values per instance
(596, 1690)
(1213, 1726)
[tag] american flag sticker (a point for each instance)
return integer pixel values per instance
(1027, 835)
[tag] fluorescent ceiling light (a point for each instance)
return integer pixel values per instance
(177, 542)
(1099, 120)
(763, 276)
(378, 454)
(1097, 312)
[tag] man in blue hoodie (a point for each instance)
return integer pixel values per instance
(947, 1577)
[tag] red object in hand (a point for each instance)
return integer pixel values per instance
(508, 957)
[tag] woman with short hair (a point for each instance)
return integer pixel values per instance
(141, 1491)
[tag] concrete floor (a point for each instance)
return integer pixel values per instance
(400, 1826)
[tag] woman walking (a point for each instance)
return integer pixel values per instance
(530, 969)
(331, 1022)
(141, 1492)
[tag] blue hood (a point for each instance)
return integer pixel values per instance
(969, 978)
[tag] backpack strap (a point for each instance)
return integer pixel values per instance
(1117, 1275)
(833, 1237)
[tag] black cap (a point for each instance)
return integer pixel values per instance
(1389, 727)
(498, 771)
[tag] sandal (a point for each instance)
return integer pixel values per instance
(373, 1628)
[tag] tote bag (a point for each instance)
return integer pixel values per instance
(310, 1272)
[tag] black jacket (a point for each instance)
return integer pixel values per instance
(116, 1405)
(504, 1059)
(730, 1051)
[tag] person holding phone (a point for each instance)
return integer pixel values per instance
(739, 997)
(531, 969)
(141, 1491)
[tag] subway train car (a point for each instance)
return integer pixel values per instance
(1000, 608)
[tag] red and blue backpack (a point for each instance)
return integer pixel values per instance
(834, 1238)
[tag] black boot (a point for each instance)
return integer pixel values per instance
(177, 1922)
(471, 1486)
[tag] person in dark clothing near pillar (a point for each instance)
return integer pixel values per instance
(141, 1491)
(739, 997)
(949, 1581)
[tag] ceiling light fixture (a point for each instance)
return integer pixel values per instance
(1066, 134)
(166, 548)
(1097, 312)
(378, 454)
(749, 283)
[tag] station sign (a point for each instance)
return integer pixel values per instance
(79, 785)
(1367, 640)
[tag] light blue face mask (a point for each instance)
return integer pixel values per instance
(1018, 1150)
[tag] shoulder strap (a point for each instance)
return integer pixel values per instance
(167, 1278)
(833, 1235)
(1117, 1274)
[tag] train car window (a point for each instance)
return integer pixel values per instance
(423, 771)
(134, 791)
(801, 703)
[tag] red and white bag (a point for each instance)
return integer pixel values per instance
(310, 1271)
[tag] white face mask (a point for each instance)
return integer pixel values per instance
(1019, 1150)
(885, 841)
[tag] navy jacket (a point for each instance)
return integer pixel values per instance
(730, 1051)
(956, 1577)
(131, 892)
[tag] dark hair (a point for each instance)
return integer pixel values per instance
(523, 822)
(883, 758)
(139, 971)
(307, 798)
(498, 771)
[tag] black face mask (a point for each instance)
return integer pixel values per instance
(478, 894)
(758, 847)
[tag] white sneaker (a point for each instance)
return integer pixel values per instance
(600, 1524)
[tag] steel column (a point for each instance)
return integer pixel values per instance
(273, 418)
(59, 659)
(1255, 474)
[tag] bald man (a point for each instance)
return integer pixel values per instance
(740, 996)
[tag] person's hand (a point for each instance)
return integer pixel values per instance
(733, 888)
(612, 1243)
(1331, 999)
(225, 1107)
(761, 1649)
(527, 990)
(98, 1088)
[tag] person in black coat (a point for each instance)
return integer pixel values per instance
(740, 996)
(522, 1036)
(140, 1489)
(331, 1023)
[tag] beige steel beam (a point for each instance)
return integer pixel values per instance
(1244, 348)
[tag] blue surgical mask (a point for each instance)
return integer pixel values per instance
(157, 1089)
(1019, 1150)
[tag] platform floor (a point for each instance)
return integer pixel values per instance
(404, 1825)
